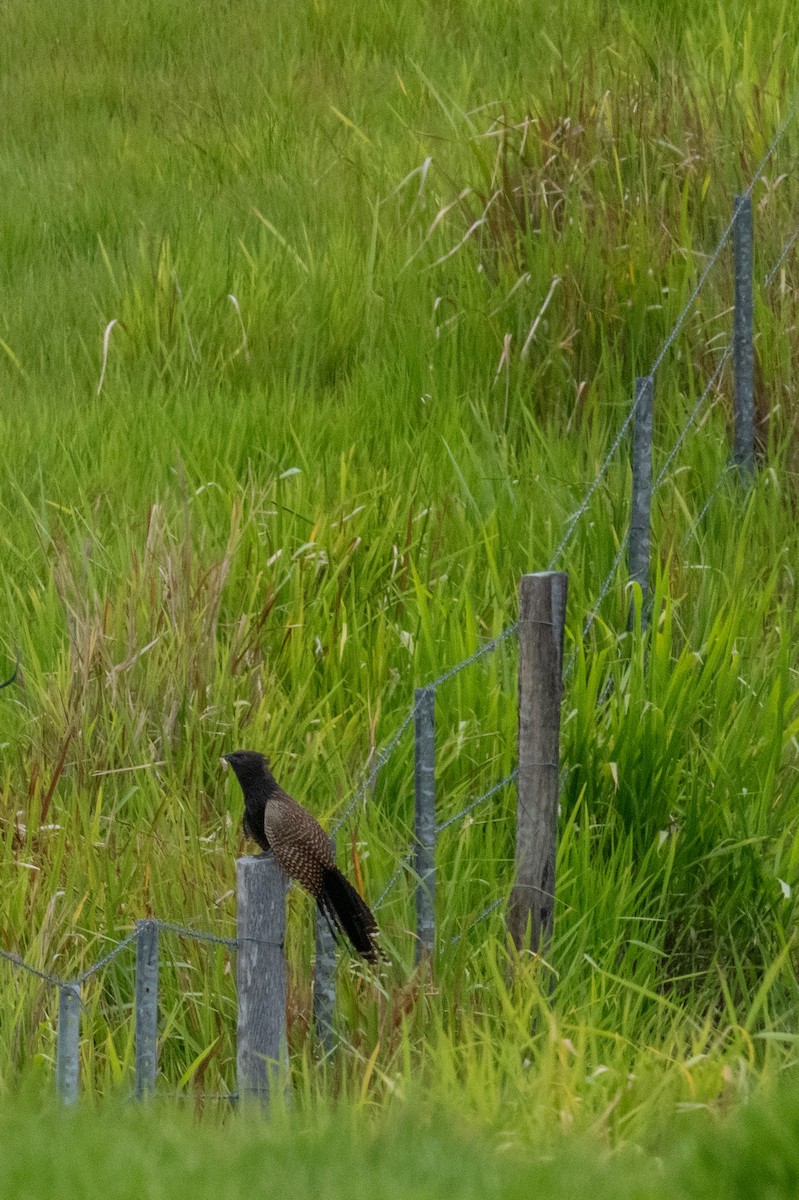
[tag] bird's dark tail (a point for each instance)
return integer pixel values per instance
(348, 913)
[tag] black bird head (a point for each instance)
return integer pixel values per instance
(249, 766)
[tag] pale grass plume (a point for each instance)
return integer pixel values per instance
(106, 343)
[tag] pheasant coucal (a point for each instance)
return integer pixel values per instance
(302, 849)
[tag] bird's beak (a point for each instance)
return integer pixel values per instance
(225, 761)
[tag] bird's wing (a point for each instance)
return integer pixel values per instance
(298, 841)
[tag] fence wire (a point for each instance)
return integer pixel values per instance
(730, 467)
(106, 959)
(195, 935)
(473, 804)
(380, 762)
(20, 964)
(492, 907)
(786, 250)
(579, 513)
(407, 859)
(662, 474)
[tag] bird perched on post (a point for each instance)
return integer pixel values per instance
(302, 850)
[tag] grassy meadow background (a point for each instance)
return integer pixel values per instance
(321, 446)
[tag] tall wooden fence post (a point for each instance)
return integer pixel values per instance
(146, 1036)
(642, 485)
(743, 343)
(68, 1044)
(324, 983)
(542, 618)
(425, 820)
(260, 974)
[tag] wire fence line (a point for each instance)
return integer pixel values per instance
(662, 474)
(21, 965)
(195, 935)
(793, 108)
(104, 961)
(728, 469)
(473, 804)
(481, 916)
(380, 762)
(690, 421)
(723, 477)
(575, 518)
(407, 859)
(786, 250)
(487, 648)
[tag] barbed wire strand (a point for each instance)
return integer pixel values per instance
(786, 121)
(786, 250)
(407, 859)
(473, 804)
(404, 864)
(380, 762)
(480, 917)
(213, 939)
(105, 960)
(691, 420)
(723, 477)
(486, 648)
(731, 467)
(195, 935)
(16, 961)
(580, 512)
(668, 343)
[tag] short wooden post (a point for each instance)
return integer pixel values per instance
(324, 982)
(146, 1045)
(425, 820)
(68, 1044)
(743, 343)
(542, 617)
(642, 484)
(260, 974)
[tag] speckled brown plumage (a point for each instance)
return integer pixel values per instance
(302, 849)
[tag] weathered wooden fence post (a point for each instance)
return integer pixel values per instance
(68, 1043)
(146, 1036)
(743, 344)
(324, 982)
(542, 618)
(425, 820)
(260, 974)
(642, 486)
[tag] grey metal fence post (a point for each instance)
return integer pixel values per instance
(425, 819)
(542, 618)
(146, 1006)
(260, 974)
(642, 483)
(743, 344)
(68, 1045)
(324, 982)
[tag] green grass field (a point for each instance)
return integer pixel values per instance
(127, 1151)
(382, 277)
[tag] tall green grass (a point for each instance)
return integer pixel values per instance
(129, 1151)
(321, 450)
